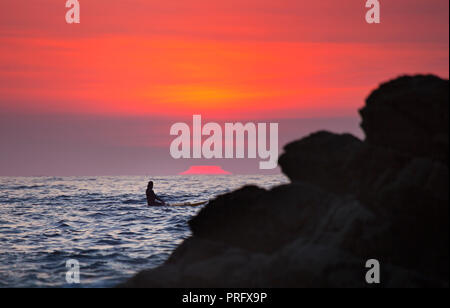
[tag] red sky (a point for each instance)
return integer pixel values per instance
(226, 60)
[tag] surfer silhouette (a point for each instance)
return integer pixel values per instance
(152, 198)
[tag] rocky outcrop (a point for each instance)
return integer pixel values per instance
(349, 200)
(407, 195)
(409, 114)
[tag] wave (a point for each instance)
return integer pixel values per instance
(103, 222)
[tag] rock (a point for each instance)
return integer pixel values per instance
(298, 264)
(320, 159)
(341, 164)
(349, 200)
(411, 194)
(306, 212)
(326, 240)
(410, 114)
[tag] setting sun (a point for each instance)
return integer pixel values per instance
(211, 170)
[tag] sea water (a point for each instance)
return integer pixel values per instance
(102, 222)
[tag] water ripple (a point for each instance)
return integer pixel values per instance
(102, 222)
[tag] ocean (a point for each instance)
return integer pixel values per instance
(102, 222)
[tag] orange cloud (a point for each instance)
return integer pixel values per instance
(234, 58)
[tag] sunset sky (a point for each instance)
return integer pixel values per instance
(99, 97)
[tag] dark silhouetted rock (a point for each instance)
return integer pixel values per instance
(409, 114)
(341, 164)
(384, 198)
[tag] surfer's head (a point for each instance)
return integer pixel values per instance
(150, 185)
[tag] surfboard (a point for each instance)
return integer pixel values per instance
(189, 203)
